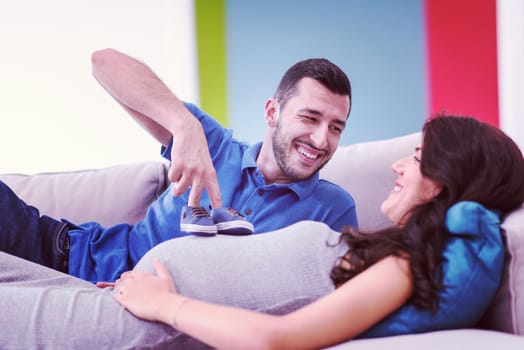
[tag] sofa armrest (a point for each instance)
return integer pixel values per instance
(507, 310)
(112, 195)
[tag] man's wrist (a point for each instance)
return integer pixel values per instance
(183, 121)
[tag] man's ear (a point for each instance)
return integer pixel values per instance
(271, 112)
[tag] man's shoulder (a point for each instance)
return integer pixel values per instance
(337, 205)
(327, 188)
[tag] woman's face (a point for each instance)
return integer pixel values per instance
(411, 188)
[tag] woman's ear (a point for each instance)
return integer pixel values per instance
(436, 190)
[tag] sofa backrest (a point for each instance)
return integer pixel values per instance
(111, 195)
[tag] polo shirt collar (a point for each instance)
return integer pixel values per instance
(301, 188)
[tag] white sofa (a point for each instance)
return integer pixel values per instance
(122, 193)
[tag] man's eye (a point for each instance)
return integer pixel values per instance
(308, 118)
(336, 129)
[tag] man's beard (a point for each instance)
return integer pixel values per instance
(282, 157)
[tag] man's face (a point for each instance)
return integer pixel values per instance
(307, 130)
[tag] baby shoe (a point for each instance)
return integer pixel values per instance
(196, 221)
(228, 221)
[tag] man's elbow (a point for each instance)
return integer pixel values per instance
(99, 58)
(101, 55)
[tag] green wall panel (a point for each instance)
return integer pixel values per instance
(211, 50)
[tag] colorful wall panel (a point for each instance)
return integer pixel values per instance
(406, 60)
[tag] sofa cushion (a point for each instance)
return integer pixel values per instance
(364, 170)
(117, 194)
(472, 271)
(449, 340)
(506, 313)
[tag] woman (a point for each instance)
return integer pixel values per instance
(463, 172)
(460, 160)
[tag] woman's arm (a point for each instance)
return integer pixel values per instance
(341, 315)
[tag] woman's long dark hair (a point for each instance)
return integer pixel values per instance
(471, 161)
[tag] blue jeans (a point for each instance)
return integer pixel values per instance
(26, 234)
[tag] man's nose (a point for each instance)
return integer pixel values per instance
(319, 136)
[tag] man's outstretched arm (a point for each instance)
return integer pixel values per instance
(150, 102)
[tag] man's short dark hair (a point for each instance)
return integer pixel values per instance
(320, 69)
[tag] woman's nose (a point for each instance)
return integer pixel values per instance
(398, 166)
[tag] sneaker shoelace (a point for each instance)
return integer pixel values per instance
(199, 212)
(233, 212)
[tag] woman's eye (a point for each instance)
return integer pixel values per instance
(417, 154)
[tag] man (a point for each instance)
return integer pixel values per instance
(273, 184)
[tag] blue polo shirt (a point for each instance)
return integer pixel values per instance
(102, 254)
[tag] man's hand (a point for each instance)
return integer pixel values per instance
(191, 165)
(152, 104)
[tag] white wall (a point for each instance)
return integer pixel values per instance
(510, 30)
(54, 115)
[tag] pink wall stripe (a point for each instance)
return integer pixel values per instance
(462, 58)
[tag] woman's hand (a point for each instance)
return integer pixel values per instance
(144, 295)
